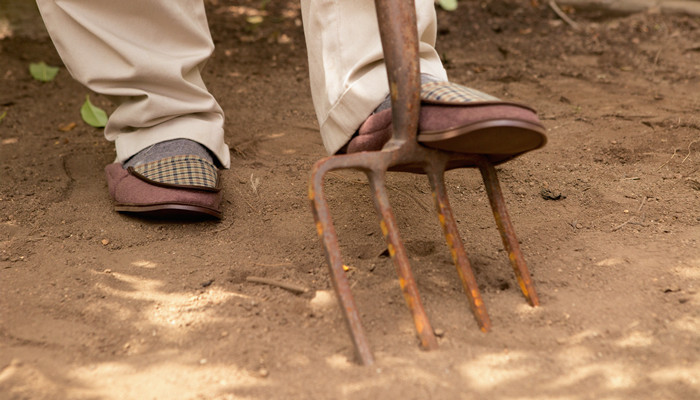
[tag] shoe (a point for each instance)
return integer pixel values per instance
(459, 119)
(180, 187)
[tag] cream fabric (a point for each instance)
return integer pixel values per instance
(348, 75)
(148, 55)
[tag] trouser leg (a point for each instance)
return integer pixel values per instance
(147, 56)
(346, 62)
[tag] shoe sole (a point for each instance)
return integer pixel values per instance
(502, 137)
(169, 211)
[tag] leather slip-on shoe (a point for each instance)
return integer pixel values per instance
(461, 120)
(133, 193)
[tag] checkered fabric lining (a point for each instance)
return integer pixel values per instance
(452, 93)
(186, 170)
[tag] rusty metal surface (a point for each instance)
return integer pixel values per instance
(436, 175)
(505, 227)
(400, 258)
(329, 239)
(403, 153)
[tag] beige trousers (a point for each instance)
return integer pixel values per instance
(147, 56)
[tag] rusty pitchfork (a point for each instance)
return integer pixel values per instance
(398, 30)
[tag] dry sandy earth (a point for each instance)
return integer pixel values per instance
(97, 305)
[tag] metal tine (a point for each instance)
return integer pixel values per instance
(436, 176)
(505, 227)
(398, 254)
(329, 238)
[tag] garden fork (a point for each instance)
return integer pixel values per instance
(397, 25)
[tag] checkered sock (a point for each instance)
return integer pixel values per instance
(179, 162)
(170, 148)
(424, 78)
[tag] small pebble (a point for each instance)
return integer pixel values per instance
(323, 300)
(207, 283)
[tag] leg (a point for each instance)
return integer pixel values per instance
(348, 82)
(147, 56)
(346, 62)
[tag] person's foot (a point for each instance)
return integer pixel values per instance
(462, 120)
(173, 179)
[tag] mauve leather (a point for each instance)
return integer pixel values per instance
(377, 129)
(126, 189)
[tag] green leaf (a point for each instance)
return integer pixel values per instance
(93, 115)
(3, 115)
(448, 5)
(254, 19)
(42, 72)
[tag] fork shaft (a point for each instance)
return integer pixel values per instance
(398, 30)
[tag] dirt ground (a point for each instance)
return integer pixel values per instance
(97, 305)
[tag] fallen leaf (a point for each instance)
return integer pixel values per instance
(3, 115)
(93, 115)
(254, 20)
(448, 5)
(10, 141)
(42, 72)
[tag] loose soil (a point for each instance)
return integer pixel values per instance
(98, 305)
